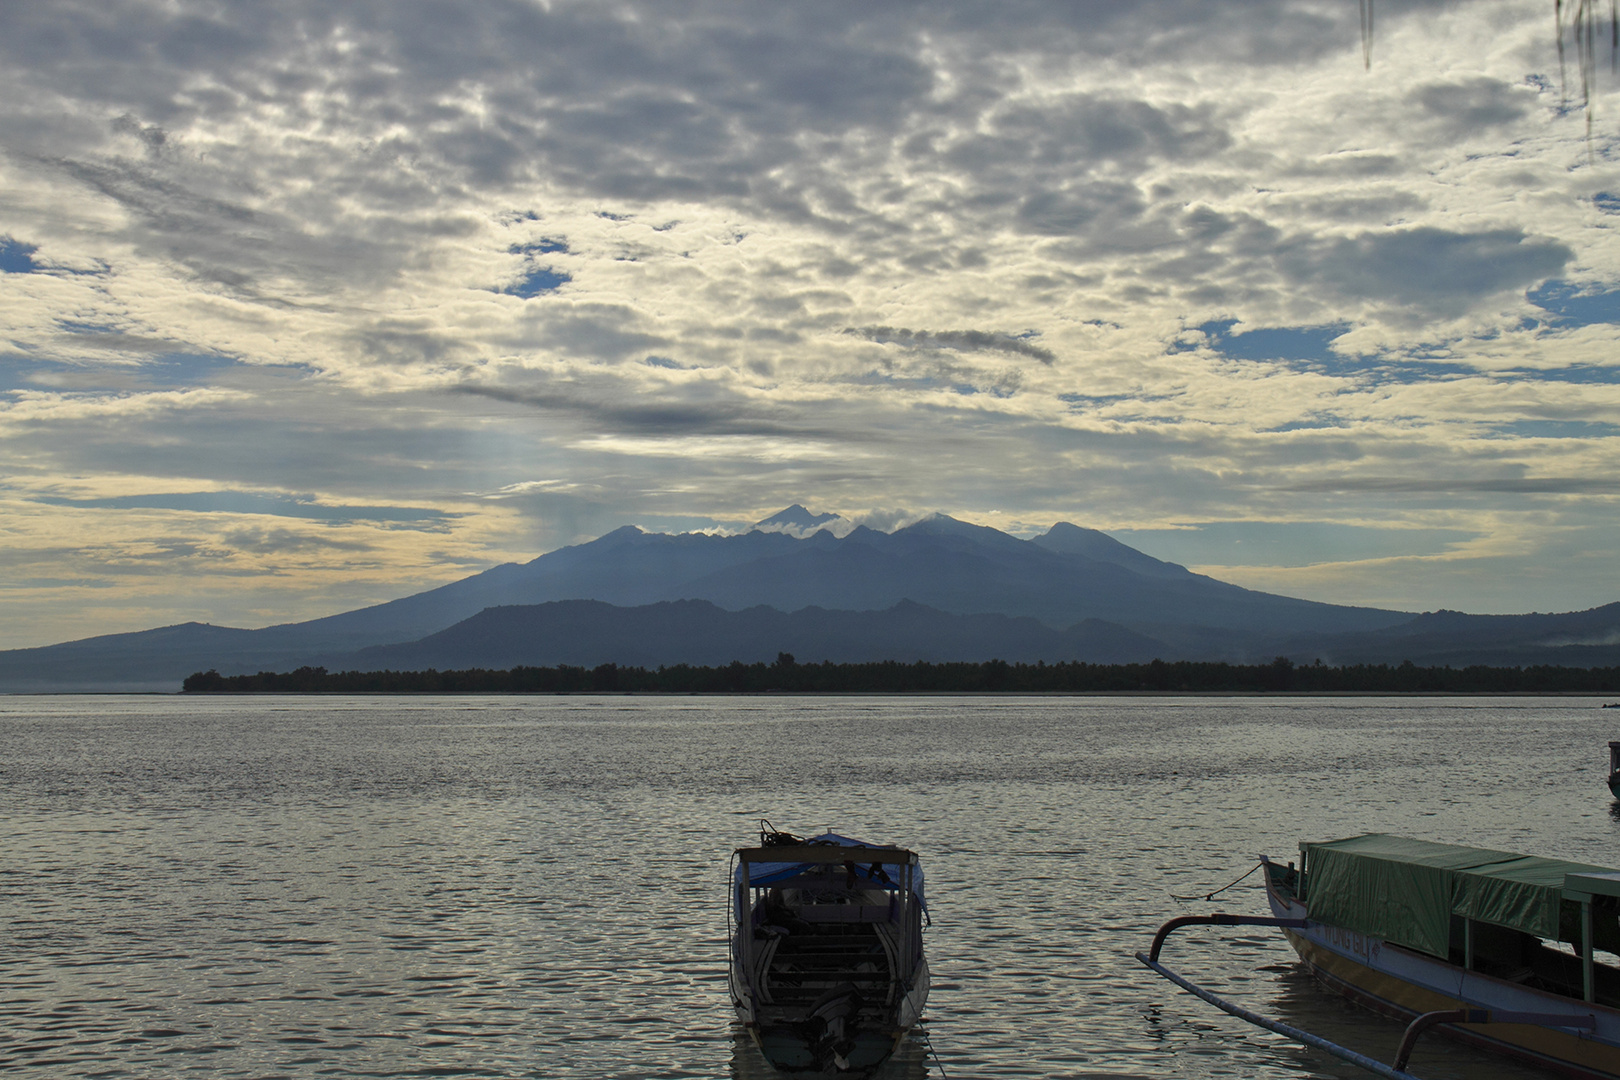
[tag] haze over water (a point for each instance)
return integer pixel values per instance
(301, 887)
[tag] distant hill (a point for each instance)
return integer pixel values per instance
(1440, 638)
(936, 589)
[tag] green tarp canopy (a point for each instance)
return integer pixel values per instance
(1406, 891)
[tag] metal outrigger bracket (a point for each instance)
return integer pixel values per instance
(1415, 1029)
(1423, 1023)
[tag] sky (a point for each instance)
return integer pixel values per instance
(308, 305)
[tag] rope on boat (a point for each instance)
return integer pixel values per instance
(1217, 892)
(932, 1052)
(1341, 1052)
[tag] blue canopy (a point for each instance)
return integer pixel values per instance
(765, 874)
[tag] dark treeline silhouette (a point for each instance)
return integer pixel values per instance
(992, 676)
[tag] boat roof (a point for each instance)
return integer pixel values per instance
(774, 865)
(1406, 891)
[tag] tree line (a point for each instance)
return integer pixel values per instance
(991, 676)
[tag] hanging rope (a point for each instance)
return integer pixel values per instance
(1217, 892)
(932, 1052)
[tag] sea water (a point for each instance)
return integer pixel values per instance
(535, 886)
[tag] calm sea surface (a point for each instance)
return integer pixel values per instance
(506, 886)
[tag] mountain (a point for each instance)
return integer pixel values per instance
(588, 632)
(796, 520)
(865, 584)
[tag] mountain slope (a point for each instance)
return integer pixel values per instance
(1588, 638)
(1065, 578)
(966, 569)
(588, 632)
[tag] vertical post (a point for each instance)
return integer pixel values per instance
(902, 957)
(1468, 944)
(1587, 980)
(745, 928)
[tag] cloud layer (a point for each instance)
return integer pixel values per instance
(308, 305)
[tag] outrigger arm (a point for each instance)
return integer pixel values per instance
(1413, 1030)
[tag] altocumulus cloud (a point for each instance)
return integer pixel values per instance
(963, 340)
(375, 268)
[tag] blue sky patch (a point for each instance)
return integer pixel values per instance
(665, 362)
(1285, 543)
(14, 372)
(1557, 429)
(73, 326)
(546, 245)
(1308, 348)
(17, 257)
(1286, 343)
(1609, 204)
(1581, 374)
(164, 371)
(1576, 305)
(1081, 402)
(246, 502)
(185, 369)
(1315, 423)
(538, 280)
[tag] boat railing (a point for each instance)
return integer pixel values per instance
(826, 853)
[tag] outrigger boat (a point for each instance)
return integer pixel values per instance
(1614, 767)
(1495, 949)
(827, 966)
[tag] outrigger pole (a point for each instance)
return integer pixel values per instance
(1344, 1053)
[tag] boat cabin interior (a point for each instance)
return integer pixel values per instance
(1517, 957)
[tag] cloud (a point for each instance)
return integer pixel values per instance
(1468, 106)
(653, 263)
(246, 502)
(1538, 485)
(289, 542)
(1428, 271)
(960, 340)
(705, 413)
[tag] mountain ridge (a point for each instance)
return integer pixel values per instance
(1058, 580)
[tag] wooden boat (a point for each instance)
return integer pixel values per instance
(1412, 929)
(827, 966)
(1614, 768)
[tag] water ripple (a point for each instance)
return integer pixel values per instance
(410, 887)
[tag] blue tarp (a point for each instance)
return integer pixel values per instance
(766, 874)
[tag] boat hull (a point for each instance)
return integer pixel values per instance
(800, 1049)
(1614, 784)
(827, 970)
(1402, 984)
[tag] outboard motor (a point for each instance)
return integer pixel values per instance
(832, 1022)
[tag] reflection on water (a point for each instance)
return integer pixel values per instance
(253, 887)
(911, 1060)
